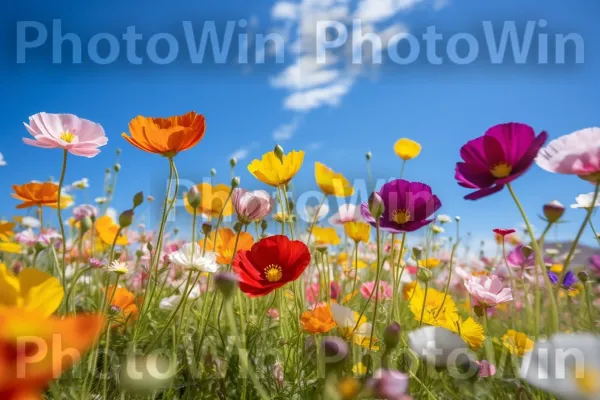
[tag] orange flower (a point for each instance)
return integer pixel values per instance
(38, 194)
(318, 320)
(166, 136)
(212, 200)
(32, 349)
(124, 303)
(225, 243)
(107, 230)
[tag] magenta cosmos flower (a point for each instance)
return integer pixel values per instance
(252, 206)
(575, 154)
(498, 157)
(487, 291)
(408, 205)
(66, 131)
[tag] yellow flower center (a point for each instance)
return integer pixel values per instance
(501, 170)
(401, 216)
(588, 381)
(68, 136)
(273, 273)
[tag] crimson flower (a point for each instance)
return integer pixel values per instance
(269, 264)
(504, 232)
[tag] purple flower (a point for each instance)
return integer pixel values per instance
(389, 384)
(408, 205)
(595, 262)
(84, 210)
(553, 277)
(568, 281)
(498, 157)
(517, 258)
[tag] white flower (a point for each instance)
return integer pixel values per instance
(118, 267)
(585, 201)
(31, 222)
(566, 365)
(2, 162)
(444, 219)
(101, 200)
(81, 184)
(310, 213)
(439, 347)
(552, 252)
(437, 229)
(183, 257)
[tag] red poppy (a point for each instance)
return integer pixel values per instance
(269, 264)
(504, 232)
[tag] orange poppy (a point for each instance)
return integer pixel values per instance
(38, 194)
(212, 200)
(225, 243)
(107, 230)
(318, 320)
(123, 304)
(25, 374)
(166, 136)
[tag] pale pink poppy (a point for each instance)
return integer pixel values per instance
(385, 290)
(79, 136)
(273, 314)
(487, 291)
(252, 206)
(575, 154)
(346, 213)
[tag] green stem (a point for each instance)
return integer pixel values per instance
(60, 220)
(424, 303)
(375, 289)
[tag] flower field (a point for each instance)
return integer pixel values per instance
(258, 299)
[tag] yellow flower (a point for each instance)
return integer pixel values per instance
(332, 183)
(359, 369)
(66, 201)
(275, 172)
(349, 388)
(351, 327)
(517, 343)
(556, 268)
(10, 247)
(31, 290)
(107, 230)
(429, 263)
(212, 200)
(6, 230)
(325, 236)
(349, 297)
(469, 330)
(407, 149)
(433, 303)
(358, 231)
(282, 217)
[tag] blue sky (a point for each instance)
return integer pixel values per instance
(336, 117)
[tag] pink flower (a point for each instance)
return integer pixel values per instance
(487, 291)
(66, 131)
(485, 369)
(312, 293)
(273, 314)
(252, 206)
(336, 290)
(385, 290)
(575, 154)
(346, 213)
(84, 210)
(95, 263)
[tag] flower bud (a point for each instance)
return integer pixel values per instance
(118, 151)
(226, 283)
(117, 167)
(237, 227)
(424, 275)
(376, 206)
(391, 335)
(149, 247)
(206, 228)
(126, 218)
(39, 246)
(417, 252)
(150, 199)
(583, 276)
(213, 172)
(235, 182)
(278, 150)
(193, 197)
(263, 225)
(86, 223)
(138, 199)
(233, 162)
(526, 251)
(106, 171)
(553, 211)
(368, 155)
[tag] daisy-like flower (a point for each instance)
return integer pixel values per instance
(31, 222)
(585, 201)
(84, 210)
(487, 291)
(190, 256)
(83, 183)
(444, 219)
(575, 154)
(100, 200)
(517, 343)
(78, 136)
(118, 267)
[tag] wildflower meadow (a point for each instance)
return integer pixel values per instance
(261, 300)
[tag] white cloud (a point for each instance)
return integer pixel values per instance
(439, 4)
(304, 74)
(381, 10)
(284, 10)
(286, 131)
(243, 152)
(2, 162)
(315, 98)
